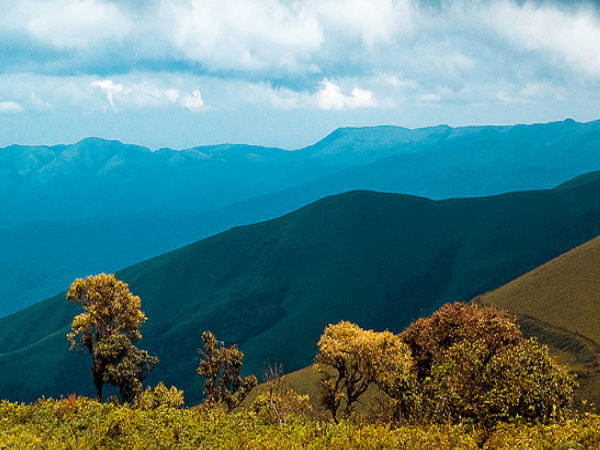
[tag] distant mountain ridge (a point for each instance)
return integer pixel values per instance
(168, 198)
(380, 260)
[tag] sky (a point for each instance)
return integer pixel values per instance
(181, 73)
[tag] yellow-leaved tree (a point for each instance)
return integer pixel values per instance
(351, 359)
(110, 322)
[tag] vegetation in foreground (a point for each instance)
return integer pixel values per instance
(465, 377)
(83, 423)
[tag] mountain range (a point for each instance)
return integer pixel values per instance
(377, 259)
(97, 205)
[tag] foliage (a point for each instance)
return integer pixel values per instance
(125, 365)
(221, 366)
(277, 407)
(159, 397)
(430, 338)
(110, 309)
(278, 402)
(82, 423)
(526, 381)
(351, 359)
(474, 364)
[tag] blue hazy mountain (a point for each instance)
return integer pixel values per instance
(99, 205)
(379, 260)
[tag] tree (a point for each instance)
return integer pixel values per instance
(109, 309)
(474, 363)
(430, 338)
(351, 359)
(125, 366)
(221, 366)
(526, 381)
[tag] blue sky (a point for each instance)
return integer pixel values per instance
(281, 72)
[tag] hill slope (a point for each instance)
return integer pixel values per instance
(379, 260)
(69, 191)
(559, 302)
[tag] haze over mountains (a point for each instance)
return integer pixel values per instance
(98, 205)
(379, 260)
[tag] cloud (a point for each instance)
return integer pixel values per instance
(346, 58)
(261, 34)
(69, 24)
(330, 96)
(193, 101)
(571, 37)
(9, 106)
(109, 88)
(302, 41)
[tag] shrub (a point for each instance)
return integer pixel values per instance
(474, 364)
(159, 397)
(276, 407)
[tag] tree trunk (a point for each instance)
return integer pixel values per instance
(98, 382)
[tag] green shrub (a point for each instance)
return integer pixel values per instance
(277, 406)
(160, 396)
(474, 364)
(82, 423)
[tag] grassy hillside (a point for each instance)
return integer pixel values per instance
(379, 260)
(560, 303)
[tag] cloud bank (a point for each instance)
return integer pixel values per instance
(326, 55)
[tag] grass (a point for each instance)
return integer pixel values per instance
(559, 302)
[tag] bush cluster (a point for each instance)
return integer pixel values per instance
(463, 364)
(82, 423)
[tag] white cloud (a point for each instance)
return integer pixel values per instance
(110, 89)
(329, 55)
(430, 97)
(146, 94)
(330, 96)
(193, 101)
(73, 23)
(10, 106)
(571, 36)
(373, 21)
(172, 94)
(247, 35)
(274, 39)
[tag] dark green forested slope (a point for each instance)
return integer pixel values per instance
(379, 260)
(60, 206)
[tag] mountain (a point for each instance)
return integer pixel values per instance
(56, 200)
(559, 302)
(380, 260)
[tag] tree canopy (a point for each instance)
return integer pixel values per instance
(221, 366)
(110, 322)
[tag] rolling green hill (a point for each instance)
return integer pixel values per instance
(379, 260)
(51, 232)
(559, 302)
